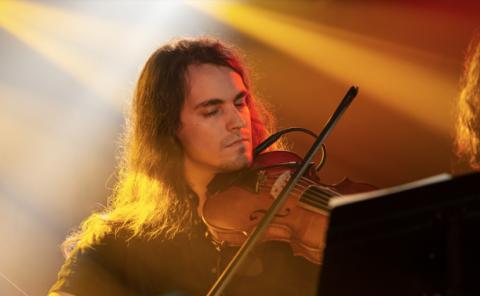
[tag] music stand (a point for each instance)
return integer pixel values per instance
(419, 239)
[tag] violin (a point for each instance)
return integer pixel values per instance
(238, 201)
(278, 198)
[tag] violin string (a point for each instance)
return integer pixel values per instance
(276, 175)
(318, 201)
(301, 188)
(296, 189)
(312, 195)
(307, 197)
(303, 183)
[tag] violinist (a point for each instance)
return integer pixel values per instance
(193, 116)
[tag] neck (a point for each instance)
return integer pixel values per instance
(198, 176)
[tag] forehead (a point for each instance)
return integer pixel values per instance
(207, 81)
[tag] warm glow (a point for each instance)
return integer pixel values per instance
(70, 41)
(401, 84)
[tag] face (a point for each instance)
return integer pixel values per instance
(215, 129)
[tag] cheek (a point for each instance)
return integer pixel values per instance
(248, 120)
(198, 139)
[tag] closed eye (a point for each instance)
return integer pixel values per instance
(241, 101)
(213, 106)
(211, 113)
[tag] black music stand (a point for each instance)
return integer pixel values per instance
(423, 240)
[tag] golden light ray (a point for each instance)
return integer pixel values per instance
(401, 84)
(63, 37)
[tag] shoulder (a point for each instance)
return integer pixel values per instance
(98, 265)
(97, 235)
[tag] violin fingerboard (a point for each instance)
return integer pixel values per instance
(317, 197)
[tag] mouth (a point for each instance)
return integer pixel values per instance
(236, 142)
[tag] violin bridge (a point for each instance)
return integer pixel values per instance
(280, 183)
(261, 178)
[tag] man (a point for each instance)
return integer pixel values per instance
(193, 116)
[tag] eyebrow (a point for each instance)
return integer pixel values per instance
(217, 101)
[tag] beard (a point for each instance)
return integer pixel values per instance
(240, 161)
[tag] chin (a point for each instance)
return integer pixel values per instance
(241, 162)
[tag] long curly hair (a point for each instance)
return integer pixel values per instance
(151, 195)
(467, 139)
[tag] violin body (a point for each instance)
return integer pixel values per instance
(236, 206)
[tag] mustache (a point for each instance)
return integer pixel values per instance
(234, 139)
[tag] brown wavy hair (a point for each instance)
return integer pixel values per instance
(150, 197)
(467, 139)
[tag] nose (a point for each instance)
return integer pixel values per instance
(236, 119)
